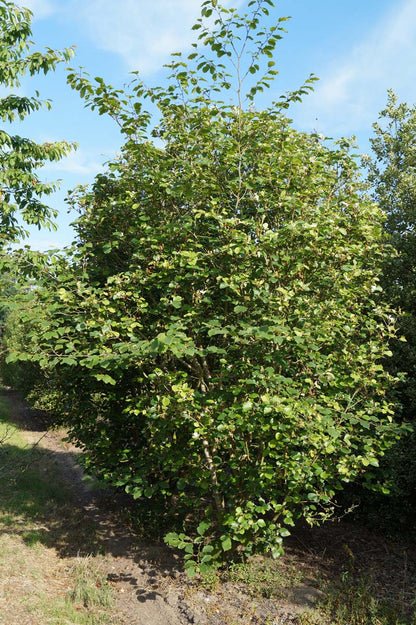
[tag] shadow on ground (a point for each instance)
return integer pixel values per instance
(45, 489)
(45, 500)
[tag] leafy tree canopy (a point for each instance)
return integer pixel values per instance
(392, 175)
(392, 178)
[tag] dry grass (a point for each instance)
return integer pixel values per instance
(38, 584)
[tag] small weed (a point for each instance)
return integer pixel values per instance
(210, 579)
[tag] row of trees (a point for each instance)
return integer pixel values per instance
(216, 338)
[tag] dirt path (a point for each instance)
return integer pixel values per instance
(140, 571)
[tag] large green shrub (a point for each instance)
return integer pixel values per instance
(214, 344)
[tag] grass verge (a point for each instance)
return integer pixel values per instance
(352, 600)
(42, 579)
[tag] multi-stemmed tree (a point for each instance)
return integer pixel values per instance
(214, 344)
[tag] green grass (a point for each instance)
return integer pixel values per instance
(90, 600)
(91, 588)
(64, 612)
(353, 600)
(264, 577)
(29, 474)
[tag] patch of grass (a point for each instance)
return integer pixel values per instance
(34, 538)
(8, 431)
(90, 585)
(90, 600)
(352, 600)
(29, 482)
(263, 577)
(62, 612)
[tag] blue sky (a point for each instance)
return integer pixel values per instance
(358, 49)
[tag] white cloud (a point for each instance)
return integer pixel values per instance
(144, 33)
(79, 162)
(353, 89)
(40, 8)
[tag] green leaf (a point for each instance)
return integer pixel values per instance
(202, 528)
(226, 543)
(70, 361)
(107, 379)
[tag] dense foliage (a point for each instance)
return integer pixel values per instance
(392, 176)
(214, 342)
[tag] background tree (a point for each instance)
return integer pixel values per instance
(392, 176)
(21, 189)
(214, 343)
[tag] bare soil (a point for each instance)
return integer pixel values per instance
(151, 587)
